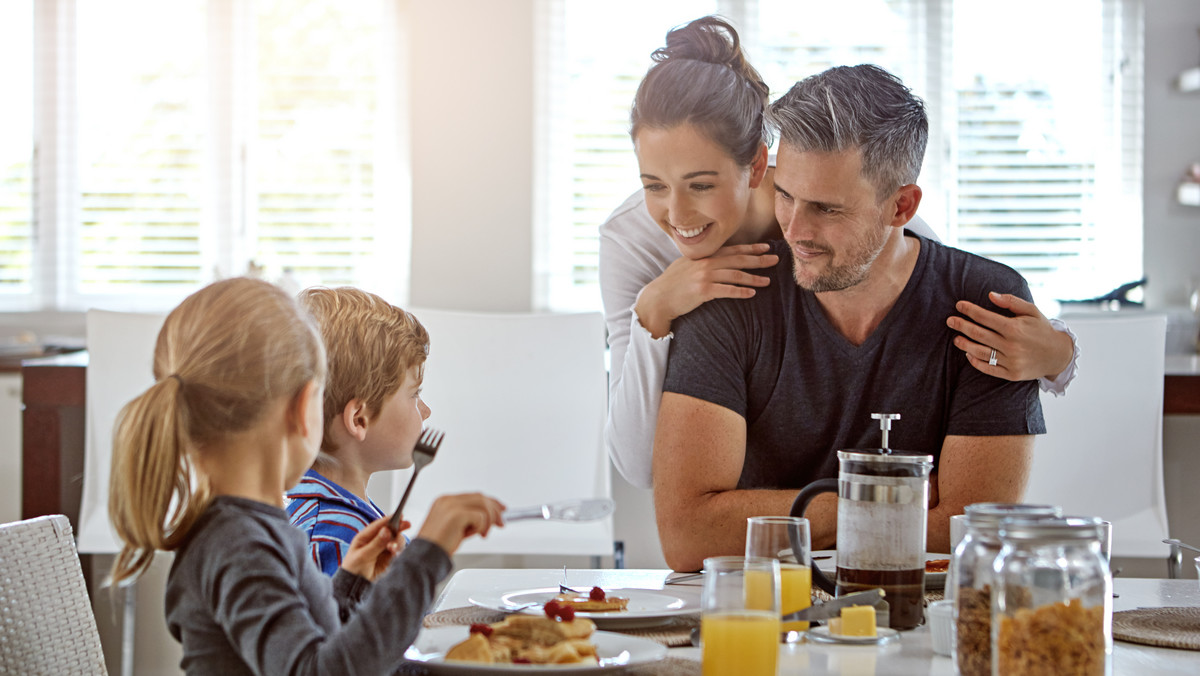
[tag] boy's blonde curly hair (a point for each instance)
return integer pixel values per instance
(370, 346)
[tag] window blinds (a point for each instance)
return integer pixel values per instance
(180, 142)
(16, 151)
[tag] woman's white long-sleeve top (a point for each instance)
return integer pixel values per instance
(634, 251)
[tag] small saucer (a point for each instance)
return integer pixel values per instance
(884, 635)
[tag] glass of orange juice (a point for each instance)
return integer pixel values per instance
(787, 539)
(739, 622)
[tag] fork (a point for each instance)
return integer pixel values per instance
(423, 452)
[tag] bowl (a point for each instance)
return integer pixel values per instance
(940, 615)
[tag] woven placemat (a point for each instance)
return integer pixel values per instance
(1163, 627)
(675, 632)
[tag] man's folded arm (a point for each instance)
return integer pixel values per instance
(976, 469)
(699, 450)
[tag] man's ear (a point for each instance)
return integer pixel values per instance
(758, 166)
(355, 419)
(904, 204)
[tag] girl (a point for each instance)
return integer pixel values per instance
(201, 461)
(702, 219)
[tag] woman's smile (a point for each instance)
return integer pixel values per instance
(690, 233)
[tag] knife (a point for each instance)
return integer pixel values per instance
(567, 510)
(833, 608)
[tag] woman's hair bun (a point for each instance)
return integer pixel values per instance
(702, 78)
(710, 39)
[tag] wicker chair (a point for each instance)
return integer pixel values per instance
(46, 621)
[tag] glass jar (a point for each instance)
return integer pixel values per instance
(1052, 599)
(969, 581)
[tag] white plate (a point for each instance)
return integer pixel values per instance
(616, 651)
(822, 635)
(829, 566)
(647, 607)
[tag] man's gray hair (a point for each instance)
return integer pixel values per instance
(861, 108)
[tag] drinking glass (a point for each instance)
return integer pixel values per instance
(785, 538)
(739, 621)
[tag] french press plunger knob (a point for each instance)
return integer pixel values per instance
(885, 426)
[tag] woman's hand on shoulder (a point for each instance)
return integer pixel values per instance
(453, 518)
(1027, 345)
(373, 548)
(686, 284)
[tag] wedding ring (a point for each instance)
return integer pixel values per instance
(992, 358)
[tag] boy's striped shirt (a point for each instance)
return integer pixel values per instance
(330, 516)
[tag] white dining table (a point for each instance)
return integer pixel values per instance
(912, 654)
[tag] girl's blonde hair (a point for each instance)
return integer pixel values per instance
(223, 357)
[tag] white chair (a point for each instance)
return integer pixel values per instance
(46, 621)
(521, 398)
(1102, 453)
(120, 367)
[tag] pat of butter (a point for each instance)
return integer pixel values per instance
(856, 621)
(835, 625)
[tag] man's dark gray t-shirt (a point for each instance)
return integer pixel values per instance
(807, 392)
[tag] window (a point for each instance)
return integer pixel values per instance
(16, 150)
(1034, 157)
(185, 141)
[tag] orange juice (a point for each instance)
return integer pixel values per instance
(796, 592)
(759, 585)
(744, 642)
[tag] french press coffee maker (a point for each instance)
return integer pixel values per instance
(883, 503)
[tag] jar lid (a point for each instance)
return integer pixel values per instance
(990, 514)
(1056, 528)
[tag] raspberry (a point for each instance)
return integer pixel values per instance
(597, 594)
(566, 613)
(551, 608)
(479, 628)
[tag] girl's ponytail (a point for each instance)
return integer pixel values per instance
(154, 496)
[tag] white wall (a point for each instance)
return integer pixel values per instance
(472, 111)
(1172, 230)
(1172, 143)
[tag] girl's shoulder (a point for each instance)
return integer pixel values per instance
(235, 527)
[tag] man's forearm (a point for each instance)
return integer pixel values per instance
(714, 524)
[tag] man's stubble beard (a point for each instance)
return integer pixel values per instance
(851, 273)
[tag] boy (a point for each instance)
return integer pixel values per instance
(373, 414)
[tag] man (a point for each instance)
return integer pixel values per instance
(761, 393)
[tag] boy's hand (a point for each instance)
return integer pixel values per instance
(372, 550)
(453, 518)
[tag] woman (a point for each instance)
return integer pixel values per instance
(702, 219)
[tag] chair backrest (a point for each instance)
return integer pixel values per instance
(46, 621)
(1102, 453)
(120, 365)
(521, 398)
